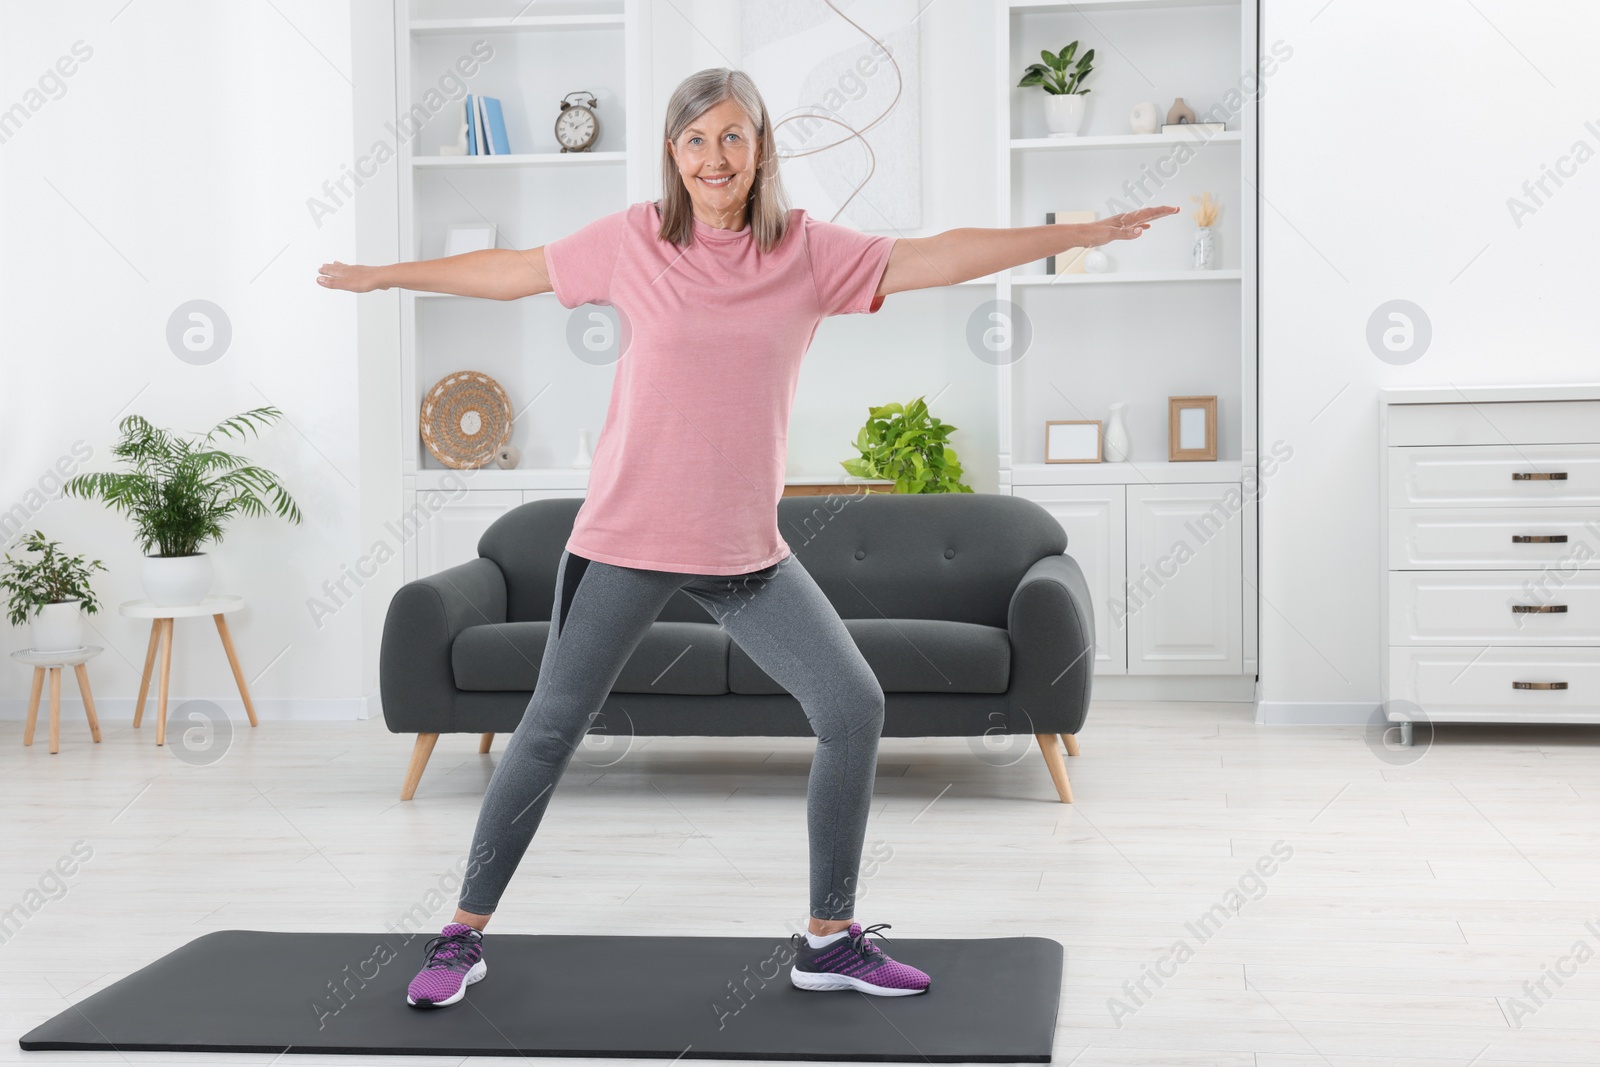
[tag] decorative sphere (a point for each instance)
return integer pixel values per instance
(1095, 262)
(508, 457)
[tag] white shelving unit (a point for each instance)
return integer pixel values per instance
(529, 58)
(1125, 140)
(1172, 621)
(1128, 277)
(525, 159)
(1150, 328)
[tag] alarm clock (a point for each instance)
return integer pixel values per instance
(578, 127)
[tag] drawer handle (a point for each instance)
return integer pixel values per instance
(1539, 476)
(1538, 609)
(1538, 685)
(1538, 539)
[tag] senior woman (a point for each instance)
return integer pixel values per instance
(722, 285)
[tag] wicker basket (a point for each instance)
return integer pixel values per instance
(466, 418)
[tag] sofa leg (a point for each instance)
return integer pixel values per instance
(488, 739)
(419, 762)
(1050, 745)
(1071, 741)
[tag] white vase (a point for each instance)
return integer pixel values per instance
(58, 627)
(1063, 113)
(584, 458)
(176, 581)
(1145, 117)
(1117, 435)
(1205, 249)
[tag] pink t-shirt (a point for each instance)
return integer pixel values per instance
(690, 463)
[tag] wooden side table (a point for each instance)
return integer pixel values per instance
(53, 662)
(161, 635)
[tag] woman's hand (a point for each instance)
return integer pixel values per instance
(1123, 227)
(353, 277)
(971, 252)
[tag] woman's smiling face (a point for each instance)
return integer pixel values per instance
(717, 157)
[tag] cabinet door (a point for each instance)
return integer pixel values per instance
(450, 535)
(1094, 519)
(1184, 599)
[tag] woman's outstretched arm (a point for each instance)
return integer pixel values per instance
(960, 255)
(492, 273)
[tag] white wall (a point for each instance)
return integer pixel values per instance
(175, 163)
(1392, 140)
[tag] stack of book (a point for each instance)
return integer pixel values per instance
(486, 127)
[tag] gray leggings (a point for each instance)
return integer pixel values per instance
(789, 628)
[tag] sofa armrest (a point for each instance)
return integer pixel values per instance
(1051, 621)
(416, 682)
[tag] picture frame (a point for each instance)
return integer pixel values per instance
(1071, 260)
(470, 237)
(1191, 428)
(1073, 441)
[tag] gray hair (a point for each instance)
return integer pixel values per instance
(694, 96)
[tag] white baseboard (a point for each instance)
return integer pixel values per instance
(1313, 713)
(1208, 687)
(119, 710)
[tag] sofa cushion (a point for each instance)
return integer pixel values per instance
(909, 656)
(683, 658)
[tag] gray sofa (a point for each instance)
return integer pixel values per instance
(963, 604)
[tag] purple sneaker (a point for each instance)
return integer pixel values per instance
(455, 961)
(853, 962)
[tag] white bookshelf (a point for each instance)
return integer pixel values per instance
(524, 159)
(519, 23)
(1150, 328)
(1125, 277)
(1194, 139)
(1097, 6)
(540, 53)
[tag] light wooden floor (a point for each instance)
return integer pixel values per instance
(1417, 901)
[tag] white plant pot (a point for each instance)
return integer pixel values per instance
(1063, 113)
(58, 627)
(176, 581)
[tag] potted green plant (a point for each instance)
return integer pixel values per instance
(179, 494)
(903, 442)
(1061, 78)
(50, 593)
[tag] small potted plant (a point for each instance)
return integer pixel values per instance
(1060, 77)
(902, 442)
(50, 593)
(179, 494)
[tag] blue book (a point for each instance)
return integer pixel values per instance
(498, 144)
(472, 127)
(481, 128)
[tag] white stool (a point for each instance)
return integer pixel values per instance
(53, 662)
(161, 634)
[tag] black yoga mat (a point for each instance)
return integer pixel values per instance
(992, 1000)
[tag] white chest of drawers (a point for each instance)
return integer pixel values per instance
(1491, 553)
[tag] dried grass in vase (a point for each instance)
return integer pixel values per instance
(1206, 213)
